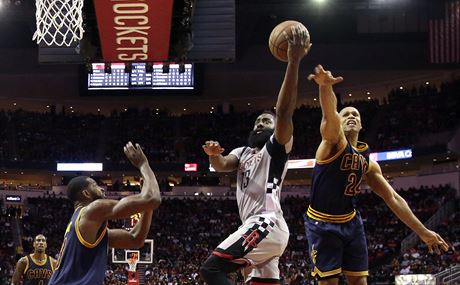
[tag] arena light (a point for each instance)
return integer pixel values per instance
(79, 167)
(391, 155)
(13, 198)
(190, 167)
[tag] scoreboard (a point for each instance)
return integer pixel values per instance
(138, 77)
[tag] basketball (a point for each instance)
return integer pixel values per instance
(277, 42)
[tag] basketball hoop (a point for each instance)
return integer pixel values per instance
(59, 22)
(133, 259)
(132, 263)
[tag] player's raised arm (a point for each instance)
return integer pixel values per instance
(399, 207)
(331, 129)
(19, 270)
(219, 162)
(148, 199)
(135, 238)
(298, 47)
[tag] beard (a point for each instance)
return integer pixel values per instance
(258, 140)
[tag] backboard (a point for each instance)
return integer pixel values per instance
(145, 253)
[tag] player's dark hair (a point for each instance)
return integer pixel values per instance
(75, 186)
(269, 112)
(40, 235)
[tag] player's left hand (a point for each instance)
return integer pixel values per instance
(135, 154)
(324, 77)
(434, 242)
(298, 43)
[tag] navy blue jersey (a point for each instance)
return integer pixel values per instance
(37, 273)
(335, 182)
(81, 262)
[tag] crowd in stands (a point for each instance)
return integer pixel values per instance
(7, 246)
(185, 231)
(411, 114)
(49, 137)
(418, 260)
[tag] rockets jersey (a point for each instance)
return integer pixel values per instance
(260, 177)
(336, 181)
(81, 262)
(37, 273)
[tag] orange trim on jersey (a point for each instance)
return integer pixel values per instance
(316, 271)
(51, 262)
(355, 273)
(80, 237)
(323, 217)
(38, 263)
(329, 160)
(361, 146)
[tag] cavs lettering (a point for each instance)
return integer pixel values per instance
(354, 162)
(332, 200)
(38, 273)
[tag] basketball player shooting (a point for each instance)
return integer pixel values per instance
(261, 167)
(334, 228)
(83, 256)
(36, 268)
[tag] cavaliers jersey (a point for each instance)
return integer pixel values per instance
(336, 182)
(37, 273)
(260, 177)
(81, 262)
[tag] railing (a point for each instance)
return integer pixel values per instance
(448, 276)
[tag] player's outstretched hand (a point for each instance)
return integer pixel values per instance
(324, 77)
(213, 148)
(434, 242)
(135, 154)
(298, 43)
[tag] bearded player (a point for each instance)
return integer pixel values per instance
(261, 167)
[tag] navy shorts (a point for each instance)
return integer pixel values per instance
(337, 247)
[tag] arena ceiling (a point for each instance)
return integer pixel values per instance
(375, 60)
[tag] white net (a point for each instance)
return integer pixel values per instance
(59, 22)
(132, 262)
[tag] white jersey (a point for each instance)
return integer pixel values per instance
(260, 177)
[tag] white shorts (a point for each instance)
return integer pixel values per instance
(257, 246)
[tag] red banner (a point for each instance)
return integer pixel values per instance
(134, 30)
